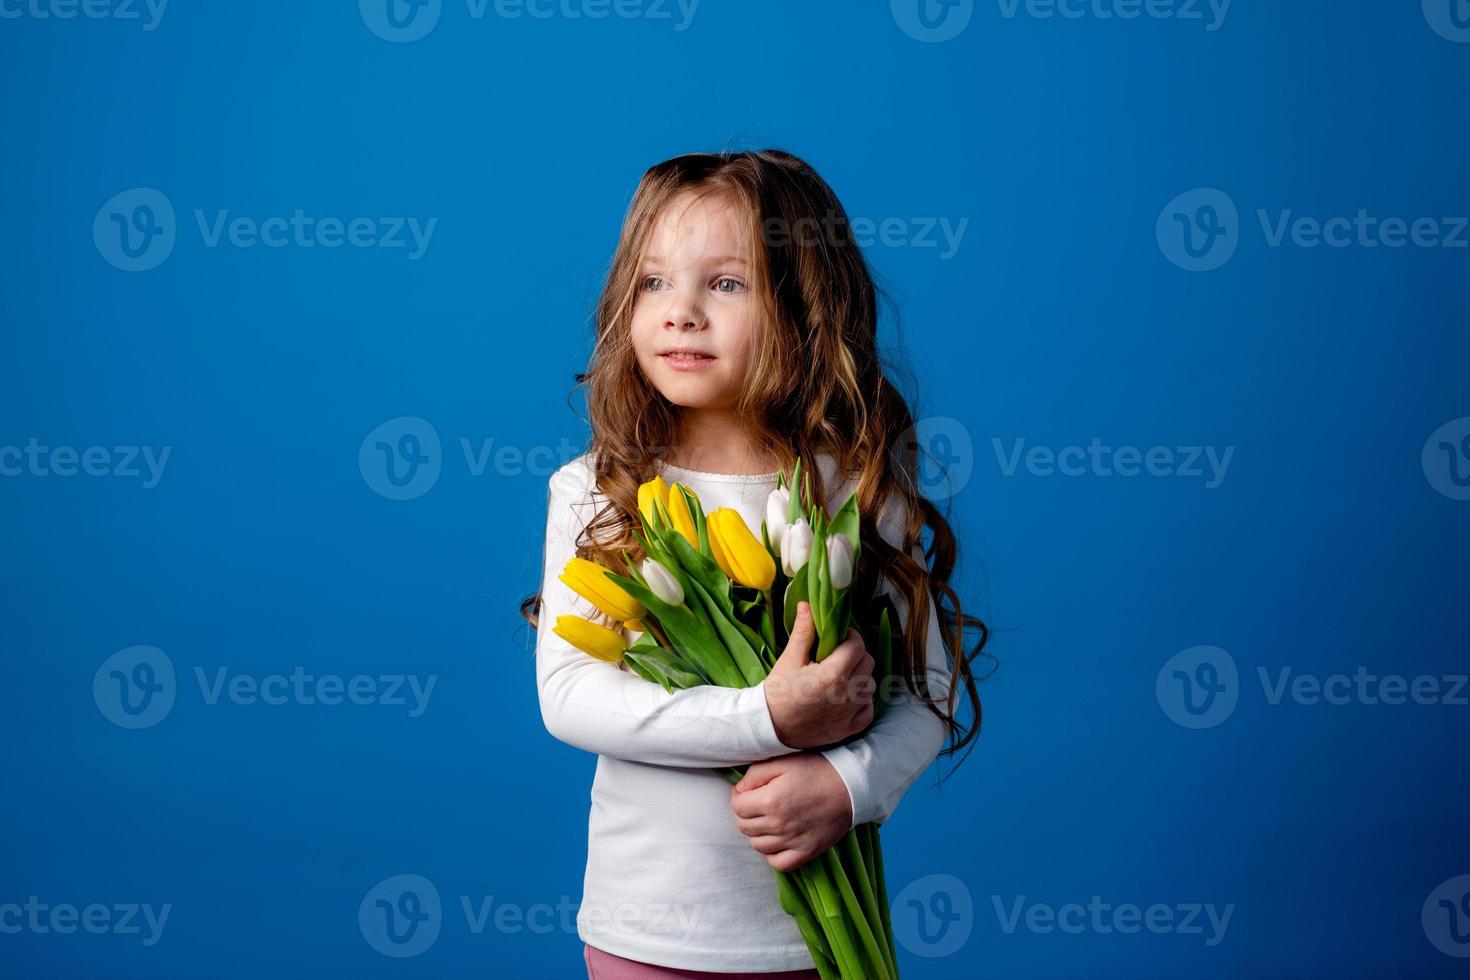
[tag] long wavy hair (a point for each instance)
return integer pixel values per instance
(815, 386)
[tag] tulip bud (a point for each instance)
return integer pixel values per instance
(839, 561)
(740, 554)
(592, 639)
(796, 546)
(661, 582)
(778, 502)
(654, 490)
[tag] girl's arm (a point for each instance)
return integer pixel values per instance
(880, 767)
(603, 708)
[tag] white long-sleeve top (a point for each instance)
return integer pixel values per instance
(670, 879)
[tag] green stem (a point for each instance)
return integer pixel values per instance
(876, 960)
(860, 874)
(874, 832)
(828, 905)
(794, 901)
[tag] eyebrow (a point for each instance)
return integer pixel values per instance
(719, 259)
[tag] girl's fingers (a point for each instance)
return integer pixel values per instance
(752, 803)
(757, 826)
(787, 860)
(769, 844)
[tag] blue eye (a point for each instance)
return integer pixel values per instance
(737, 285)
(650, 283)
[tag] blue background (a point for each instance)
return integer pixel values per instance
(1060, 318)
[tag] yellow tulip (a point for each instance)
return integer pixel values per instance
(673, 502)
(589, 580)
(738, 552)
(591, 639)
(655, 489)
(680, 515)
(719, 552)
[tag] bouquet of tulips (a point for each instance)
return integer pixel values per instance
(714, 604)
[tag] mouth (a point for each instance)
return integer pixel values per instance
(686, 359)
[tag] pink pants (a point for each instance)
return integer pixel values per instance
(602, 965)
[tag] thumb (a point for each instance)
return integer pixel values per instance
(755, 777)
(799, 644)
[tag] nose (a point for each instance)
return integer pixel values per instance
(684, 312)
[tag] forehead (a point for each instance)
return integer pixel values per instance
(694, 225)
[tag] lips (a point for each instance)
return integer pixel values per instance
(686, 353)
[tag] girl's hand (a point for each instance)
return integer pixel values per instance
(792, 808)
(814, 704)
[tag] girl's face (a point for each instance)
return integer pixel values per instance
(696, 312)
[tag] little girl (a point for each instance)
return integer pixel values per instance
(735, 335)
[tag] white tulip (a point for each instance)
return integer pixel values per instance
(777, 503)
(796, 546)
(839, 561)
(661, 582)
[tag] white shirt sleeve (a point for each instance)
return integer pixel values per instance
(607, 709)
(880, 767)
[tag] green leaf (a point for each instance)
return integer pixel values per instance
(742, 652)
(795, 593)
(794, 508)
(642, 670)
(690, 634)
(848, 523)
(664, 668)
(883, 663)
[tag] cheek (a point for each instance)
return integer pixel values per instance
(644, 334)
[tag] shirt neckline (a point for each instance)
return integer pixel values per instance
(723, 477)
